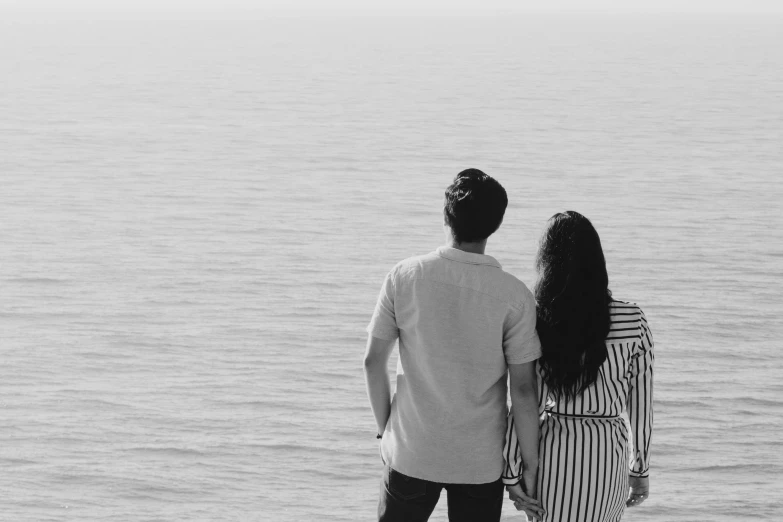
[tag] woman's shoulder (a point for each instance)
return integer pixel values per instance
(616, 306)
(627, 320)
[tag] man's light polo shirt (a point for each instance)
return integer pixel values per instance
(460, 320)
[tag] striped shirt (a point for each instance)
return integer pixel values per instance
(583, 448)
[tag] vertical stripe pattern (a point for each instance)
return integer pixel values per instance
(584, 460)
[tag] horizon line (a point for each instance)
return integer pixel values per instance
(32, 9)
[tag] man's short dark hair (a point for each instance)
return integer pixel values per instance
(475, 205)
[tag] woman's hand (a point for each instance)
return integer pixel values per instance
(522, 502)
(639, 490)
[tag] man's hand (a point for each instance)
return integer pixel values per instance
(639, 490)
(522, 502)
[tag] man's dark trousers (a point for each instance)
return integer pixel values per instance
(408, 499)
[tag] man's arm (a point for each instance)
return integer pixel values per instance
(377, 378)
(524, 406)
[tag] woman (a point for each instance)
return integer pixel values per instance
(597, 362)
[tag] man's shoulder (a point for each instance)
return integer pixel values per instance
(515, 291)
(494, 281)
(414, 264)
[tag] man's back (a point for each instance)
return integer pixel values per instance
(460, 320)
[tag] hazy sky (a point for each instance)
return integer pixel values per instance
(435, 5)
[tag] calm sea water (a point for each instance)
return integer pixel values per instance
(196, 216)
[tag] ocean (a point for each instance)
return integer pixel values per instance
(196, 216)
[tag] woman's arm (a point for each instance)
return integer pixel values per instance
(640, 414)
(512, 471)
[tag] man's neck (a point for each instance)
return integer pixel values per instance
(472, 247)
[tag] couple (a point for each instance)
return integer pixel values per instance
(574, 359)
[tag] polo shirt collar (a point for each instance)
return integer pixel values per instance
(461, 256)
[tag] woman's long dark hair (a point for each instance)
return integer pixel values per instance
(573, 298)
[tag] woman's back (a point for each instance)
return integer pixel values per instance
(583, 451)
(629, 340)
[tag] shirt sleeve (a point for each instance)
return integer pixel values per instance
(520, 340)
(640, 402)
(512, 468)
(543, 391)
(383, 324)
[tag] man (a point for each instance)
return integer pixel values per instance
(463, 325)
